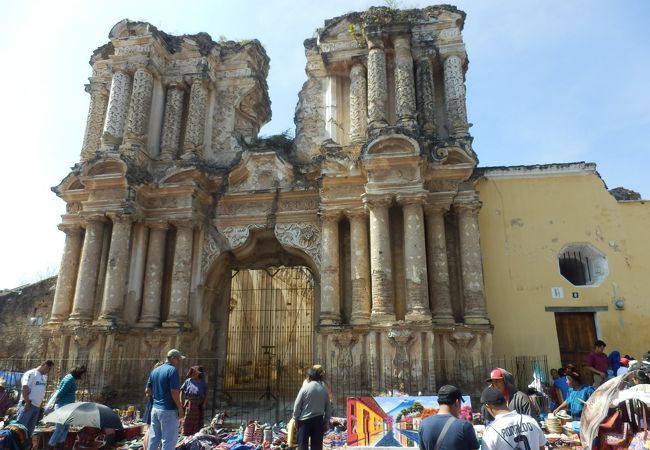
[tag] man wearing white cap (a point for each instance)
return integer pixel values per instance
(164, 384)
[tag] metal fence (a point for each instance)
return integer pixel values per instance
(271, 399)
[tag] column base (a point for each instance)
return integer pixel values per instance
(108, 322)
(78, 320)
(444, 319)
(330, 322)
(360, 320)
(147, 324)
(382, 317)
(418, 316)
(476, 320)
(177, 323)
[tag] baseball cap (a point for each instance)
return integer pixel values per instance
(496, 374)
(624, 361)
(449, 394)
(492, 395)
(174, 352)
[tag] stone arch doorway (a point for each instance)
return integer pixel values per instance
(262, 304)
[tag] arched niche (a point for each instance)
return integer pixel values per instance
(261, 250)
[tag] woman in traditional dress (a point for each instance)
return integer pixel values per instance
(577, 396)
(193, 395)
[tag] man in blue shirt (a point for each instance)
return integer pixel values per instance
(164, 385)
(453, 433)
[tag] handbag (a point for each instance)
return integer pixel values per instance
(51, 403)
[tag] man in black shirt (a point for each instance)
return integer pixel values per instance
(453, 434)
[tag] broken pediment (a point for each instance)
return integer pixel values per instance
(260, 171)
(109, 167)
(126, 29)
(393, 145)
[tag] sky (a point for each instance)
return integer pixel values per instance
(548, 81)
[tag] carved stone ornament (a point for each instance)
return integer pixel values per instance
(462, 339)
(303, 236)
(345, 342)
(401, 340)
(83, 338)
(211, 249)
(237, 236)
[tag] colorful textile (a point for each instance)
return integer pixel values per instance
(576, 398)
(193, 416)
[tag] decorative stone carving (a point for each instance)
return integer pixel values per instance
(95, 121)
(195, 129)
(426, 95)
(404, 84)
(345, 342)
(358, 103)
(303, 236)
(237, 236)
(401, 340)
(138, 119)
(171, 131)
(211, 250)
(455, 94)
(118, 103)
(377, 85)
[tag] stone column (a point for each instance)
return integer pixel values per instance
(330, 305)
(84, 295)
(117, 270)
(377, 86)
(65, 282)
(140, 108)
(195, 129)
(415, 259)
(95, 119)
(359, 267)
(181, 275)
(358, 103)
(381, 264)
(471, 265)
(404, 83)
(171, 131)
(455, 93)
(440, 298)
(153, 279)
(118, 102)
(426, 95)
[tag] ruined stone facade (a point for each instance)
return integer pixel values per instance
(174, 190)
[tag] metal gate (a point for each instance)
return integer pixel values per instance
(270, 332)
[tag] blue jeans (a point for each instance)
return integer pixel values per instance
(28, 418)
(164, 427)
(59, 435)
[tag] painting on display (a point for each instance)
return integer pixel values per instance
(391, 421)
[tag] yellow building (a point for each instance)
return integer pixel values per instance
(564, 262)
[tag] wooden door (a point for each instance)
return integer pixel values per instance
(576, 334)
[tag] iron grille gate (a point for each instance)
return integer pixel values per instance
(269, 347)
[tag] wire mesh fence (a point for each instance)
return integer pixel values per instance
(270, 398)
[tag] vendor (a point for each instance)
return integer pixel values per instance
(578, 394)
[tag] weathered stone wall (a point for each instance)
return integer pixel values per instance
(23, 311)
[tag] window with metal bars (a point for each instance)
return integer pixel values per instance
(583, 264)
(574, 266)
